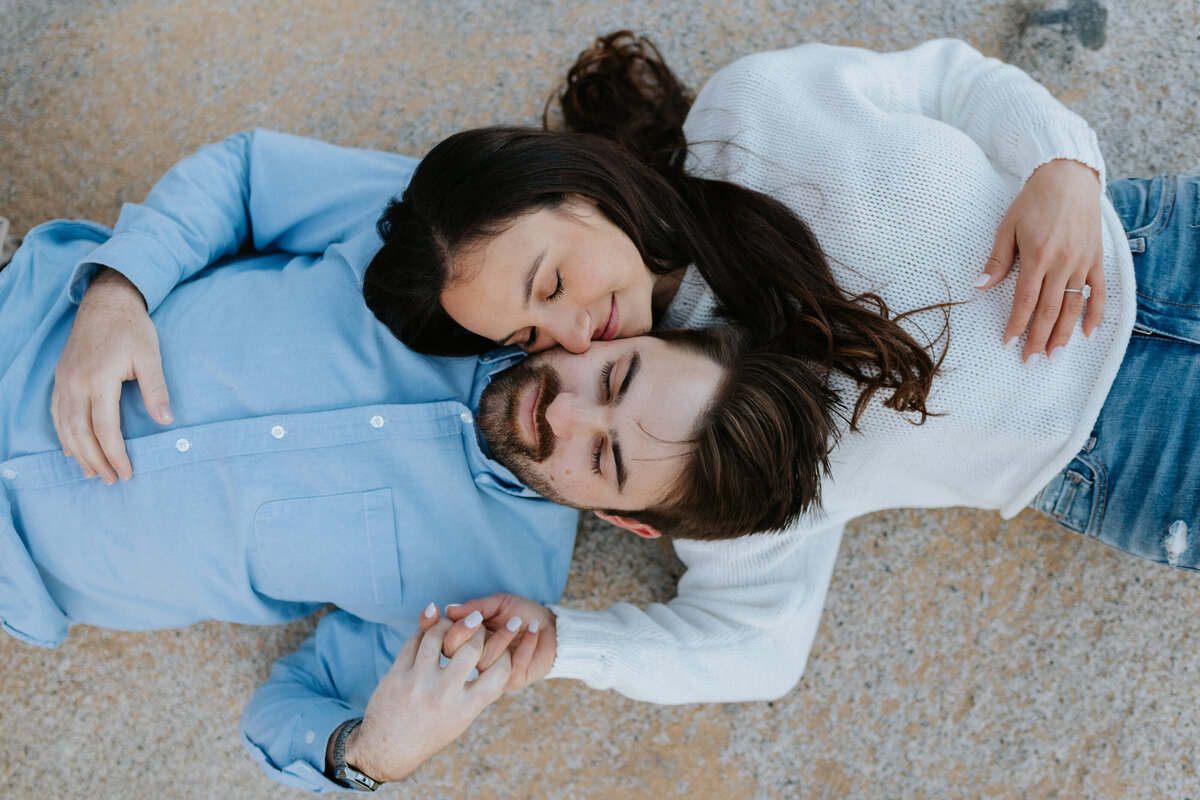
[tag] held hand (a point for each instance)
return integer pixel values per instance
(535, 652)
(1054, 224)
(419, 707)
(112, 341)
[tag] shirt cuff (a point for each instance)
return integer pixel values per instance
(146, 262)
(304, 767)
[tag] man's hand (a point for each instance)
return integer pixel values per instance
(112, 341)
(495, 611)
(420, 707)
(1054, 224)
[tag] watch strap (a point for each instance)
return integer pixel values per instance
(343, 774)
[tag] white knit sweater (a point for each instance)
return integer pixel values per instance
(903, 164)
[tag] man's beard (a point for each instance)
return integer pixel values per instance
(500, 422)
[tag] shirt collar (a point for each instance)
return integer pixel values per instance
(489, 365)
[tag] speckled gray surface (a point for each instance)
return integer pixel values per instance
(959, 656)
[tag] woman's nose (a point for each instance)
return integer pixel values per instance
(577, 333)
(570, 415)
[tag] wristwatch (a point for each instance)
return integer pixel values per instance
(343, 774)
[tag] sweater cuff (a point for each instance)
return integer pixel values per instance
(581, 653)
(1042, 145)
(146, 262)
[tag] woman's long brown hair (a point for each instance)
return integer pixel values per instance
(763, 262)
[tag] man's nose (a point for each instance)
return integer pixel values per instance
(570, 415)
(577, 334)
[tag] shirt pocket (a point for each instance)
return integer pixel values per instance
(338, 548)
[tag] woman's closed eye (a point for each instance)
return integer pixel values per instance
(558, 287)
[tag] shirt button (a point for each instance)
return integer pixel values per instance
(9, 474)
(466, 417)
(377, 421)
(182, 445)
(278, 431)
(309, 737)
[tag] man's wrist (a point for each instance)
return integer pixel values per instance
(110, 280)
(342, 752)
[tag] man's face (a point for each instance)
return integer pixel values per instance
(605, 429)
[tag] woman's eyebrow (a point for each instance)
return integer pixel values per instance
(537, 262)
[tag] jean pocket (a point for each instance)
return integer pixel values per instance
(337, 548)
(1074, 498)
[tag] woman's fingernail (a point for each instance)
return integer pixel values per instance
(533, 626)
(514, 624)
(1010, 343)
(473, 619)
(982, 280)
(430, 610)
(164, 414)
(1033, 360)
(453, 605)
(1055, 354)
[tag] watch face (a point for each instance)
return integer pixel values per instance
(352, 779)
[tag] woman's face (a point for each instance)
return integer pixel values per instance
(555, 276)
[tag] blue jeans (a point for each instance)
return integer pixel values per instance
(1135, 485)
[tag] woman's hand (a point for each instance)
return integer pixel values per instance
(534, 655)
(1054, 224)
(420, 707)
(112, 341)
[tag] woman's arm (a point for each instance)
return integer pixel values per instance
(1054, 223)
(740, 627)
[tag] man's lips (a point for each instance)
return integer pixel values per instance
(614, 322)
(528, 412)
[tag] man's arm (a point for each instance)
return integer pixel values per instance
(266, 190)
(411, 704)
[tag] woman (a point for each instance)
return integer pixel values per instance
(913, 170)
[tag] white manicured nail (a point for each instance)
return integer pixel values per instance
(533, 626)
(1033, 360)
(430, 610)
(514, 624)
(473, 619)
(982, 280)
(1055, 355)
(1010, 343)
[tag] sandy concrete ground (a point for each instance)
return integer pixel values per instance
(960, 655)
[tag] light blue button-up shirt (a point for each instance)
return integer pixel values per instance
(313, 458)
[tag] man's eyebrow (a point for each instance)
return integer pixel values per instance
(527, 295)
(634, 364)
(618, 461)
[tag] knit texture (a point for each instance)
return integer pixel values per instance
(903, 164)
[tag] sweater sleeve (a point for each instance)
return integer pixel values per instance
(264, 190)
(1012, 117)
(740, 627)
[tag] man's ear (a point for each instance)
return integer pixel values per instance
(630, 524)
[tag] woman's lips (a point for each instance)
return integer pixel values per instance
(613, 324)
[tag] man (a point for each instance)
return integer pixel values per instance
(305, 457)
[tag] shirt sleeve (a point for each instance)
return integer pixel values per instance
(740, 627)
(264, 190)
(328, 681)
